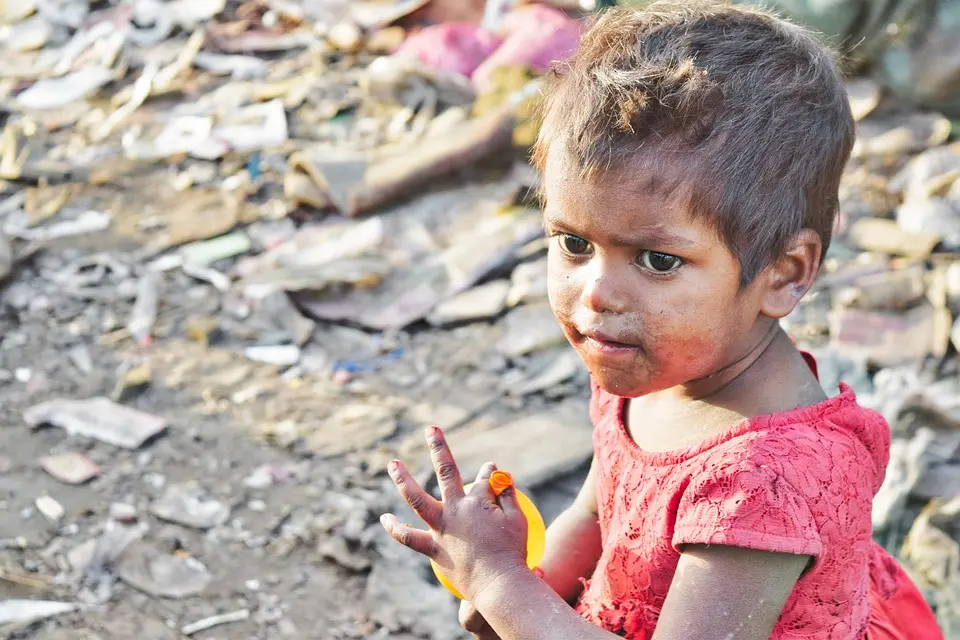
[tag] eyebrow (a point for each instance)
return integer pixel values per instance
(654, 235)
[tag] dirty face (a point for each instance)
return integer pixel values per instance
(649, 296)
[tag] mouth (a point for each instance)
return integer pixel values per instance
(607, 344)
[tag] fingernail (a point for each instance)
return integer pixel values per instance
(433, 433)
(393, 467)
(385, 520)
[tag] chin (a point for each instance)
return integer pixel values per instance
(624, 386)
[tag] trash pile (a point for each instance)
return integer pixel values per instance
(249, 249)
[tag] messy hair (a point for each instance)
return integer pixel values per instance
(740, 112)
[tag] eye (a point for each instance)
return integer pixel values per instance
(574, 245)
(659, 262)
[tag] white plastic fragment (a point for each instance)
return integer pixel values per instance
(27, 611)
(214, 621)
(53, 93)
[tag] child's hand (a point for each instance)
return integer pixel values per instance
(474, 538)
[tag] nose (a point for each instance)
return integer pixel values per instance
(601, 292)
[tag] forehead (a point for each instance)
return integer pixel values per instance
(627, 203)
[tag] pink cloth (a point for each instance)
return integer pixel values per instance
(452, 47)
(797, 482)
(535, 36)
(532, 36)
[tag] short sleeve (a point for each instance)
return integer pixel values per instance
(746, 505)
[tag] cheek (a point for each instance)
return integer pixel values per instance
(563, 290)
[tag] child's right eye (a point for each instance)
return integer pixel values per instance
(574, 245)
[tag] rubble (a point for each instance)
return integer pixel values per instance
(290, 235)
(70, 467)
(98, 418)
(189, 506)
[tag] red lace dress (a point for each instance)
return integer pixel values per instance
(798, 482)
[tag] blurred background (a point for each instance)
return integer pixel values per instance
(249, 249)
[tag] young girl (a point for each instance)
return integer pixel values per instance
(691, 155)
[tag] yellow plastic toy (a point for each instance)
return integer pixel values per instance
(536, 529)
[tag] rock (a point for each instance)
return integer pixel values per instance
(907, 464)
(81, 359)
(122, 512)
(189, 506)
(50, 508)
(131, 381)
(932, 554)
(6, 257)
(955, 334)
(931, 215)
(484, 301)
(352, 427)
(528, 283)
(885, 236)
(98, 418)
(336, 548)
(164, 575)
(900, 134)
(529, 328)
(24, 612)
(952, 277)
(915, 180)
(70, 467)
(938, 481)
(894, 289)
(277, 355)
(552, 368)
(883, 337)
(864, 95)
(541, 446)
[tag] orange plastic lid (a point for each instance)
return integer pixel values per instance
(500, 481)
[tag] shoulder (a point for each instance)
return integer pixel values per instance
(835, 445)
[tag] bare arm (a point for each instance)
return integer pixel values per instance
(573, 542)
(717, 592)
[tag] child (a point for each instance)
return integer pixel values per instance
(691, 155)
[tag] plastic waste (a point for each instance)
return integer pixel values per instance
(536, 529)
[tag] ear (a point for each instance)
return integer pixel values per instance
(792, 274)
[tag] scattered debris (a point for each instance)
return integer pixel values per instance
(70, 467)
(175, 576)
(28, 611)
(215, 621)
(189, 506)
(98, 418)
(172, 175)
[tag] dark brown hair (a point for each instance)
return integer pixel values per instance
(747, 113)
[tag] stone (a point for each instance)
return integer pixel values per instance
(534, 449)
(484, 301)
(352, 427)
(70, 467)
(98, 418)
(882, 337)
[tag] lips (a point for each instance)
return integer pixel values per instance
(606, 343)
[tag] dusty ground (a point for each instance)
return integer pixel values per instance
(269, 556)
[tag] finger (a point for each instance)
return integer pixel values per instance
(413, 494)
(448, 475)
(420, 541)
(509, 502)
(481, 486)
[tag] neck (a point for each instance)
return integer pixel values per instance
(709, 387)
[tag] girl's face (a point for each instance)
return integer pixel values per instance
(648, 296)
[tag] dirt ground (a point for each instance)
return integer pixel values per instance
(292, 552)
